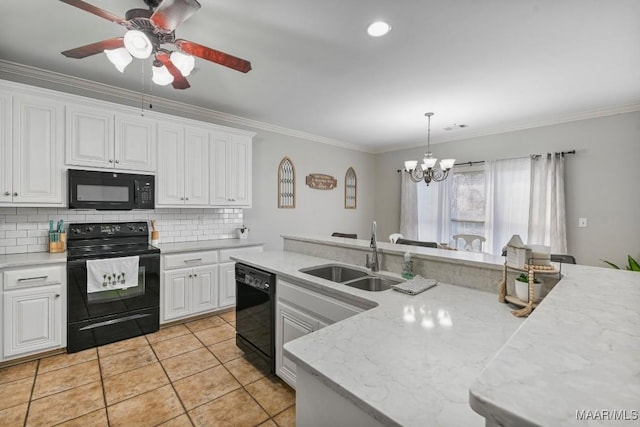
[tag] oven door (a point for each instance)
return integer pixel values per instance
(83, 305)
(101, 190)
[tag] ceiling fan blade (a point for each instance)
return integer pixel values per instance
(93, 48)
(213, 55)
(179, 81)
(172, 13)
(95, 10)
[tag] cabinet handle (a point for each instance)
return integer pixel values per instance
(195, 275)
(15, 194)
(117, 161)
(186, 198)
(57, 295)
(6, 193)
(181, 198)
(110, 161)
(192, 260)
(191, 275)
(24, 279)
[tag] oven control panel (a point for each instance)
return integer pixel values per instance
(83, 231)
(258, 281)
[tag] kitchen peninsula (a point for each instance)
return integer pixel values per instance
(428, 359)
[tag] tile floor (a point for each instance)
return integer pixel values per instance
(190, 374)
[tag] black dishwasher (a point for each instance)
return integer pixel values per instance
(255, 311)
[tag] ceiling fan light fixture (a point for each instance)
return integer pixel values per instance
(138, 44)
(184, 63)
(378, 29)
(161, 75)
(119, 57)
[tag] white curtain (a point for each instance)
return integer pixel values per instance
(548, 224)
(507, 184)
(408, 207)
(434, 211)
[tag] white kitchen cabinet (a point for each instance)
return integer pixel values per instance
(183, 169)
(34, 310)
(231, 169)
(101, 138)
(190, 291)
(32, 151)
(300, 311)
(227, 284)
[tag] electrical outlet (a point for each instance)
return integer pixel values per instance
(582, 222)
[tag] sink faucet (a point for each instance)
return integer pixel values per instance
(373, 263)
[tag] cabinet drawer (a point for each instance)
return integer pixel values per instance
(226, 254)
(25, 278)
(190, 259)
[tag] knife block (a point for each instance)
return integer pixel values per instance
(60, 243)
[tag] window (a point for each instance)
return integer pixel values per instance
(467, 201)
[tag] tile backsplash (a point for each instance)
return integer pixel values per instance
(26, 229)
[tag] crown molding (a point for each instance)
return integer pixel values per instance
(129, 97)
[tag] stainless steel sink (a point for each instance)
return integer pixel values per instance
(335, 272)
(373, 283)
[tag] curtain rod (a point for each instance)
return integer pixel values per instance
(479, 162)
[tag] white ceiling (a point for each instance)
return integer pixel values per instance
(494, 65)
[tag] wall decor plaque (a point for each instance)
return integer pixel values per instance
(286, 184)
(350, 189)
(320, 181)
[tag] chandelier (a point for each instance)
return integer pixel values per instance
(426, 171)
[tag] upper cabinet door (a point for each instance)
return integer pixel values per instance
(89, 139)
(170, 177)
(196, 167)
(220, 173)
(6, 158)
(38, 132)
(135, 138)
(241, 171)
(231, 170)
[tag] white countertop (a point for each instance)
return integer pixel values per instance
(579, 350)
(203, 245)
(32, 259)
(411, 359)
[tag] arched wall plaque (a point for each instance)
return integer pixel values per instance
(286, 184)
(350, 189)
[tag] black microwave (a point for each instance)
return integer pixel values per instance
(110, 190)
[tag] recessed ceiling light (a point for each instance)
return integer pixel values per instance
(378, 28)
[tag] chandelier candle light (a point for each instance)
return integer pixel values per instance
(426, 172)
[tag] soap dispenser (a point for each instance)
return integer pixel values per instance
(407, 269)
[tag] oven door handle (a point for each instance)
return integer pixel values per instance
(82, 262)
(114, 321)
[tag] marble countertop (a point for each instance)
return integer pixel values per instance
(31, 259)
(408, 360)
(203, 245)
(578, 351)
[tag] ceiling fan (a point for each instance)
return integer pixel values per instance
(147, 31)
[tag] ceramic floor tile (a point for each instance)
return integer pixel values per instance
(93, 419)
(132, 383)
(226, 350)
(272, 394)
(268, 423)
(248, 369)
(66, 405)
(229, 316)
(63, 360)
(205, 386)
(120, 346)
(205, 323)
(286, 418)
(14, 393)
(148, 409)
(168, 333)
(186, 364)
(14, 416)
(181, 421)
(234, 409)
(216, 334)
(66, 378)
(176, 346)
(18, 372)
(127, 361)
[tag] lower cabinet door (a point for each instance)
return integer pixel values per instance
(204, 286)
(176, 294)
(33, 320)
(290, 324)
(227, 284)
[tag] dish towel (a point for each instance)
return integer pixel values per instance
(415, 286)
(112, 273)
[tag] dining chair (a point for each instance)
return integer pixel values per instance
(347, 235)
(395, 236)
(416, 243)
(469, 240)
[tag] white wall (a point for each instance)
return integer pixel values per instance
(601, 183)
(317, 211)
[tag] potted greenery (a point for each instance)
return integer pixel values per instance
(632, 266)
(522, 288)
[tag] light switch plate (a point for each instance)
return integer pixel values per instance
(582, 222)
